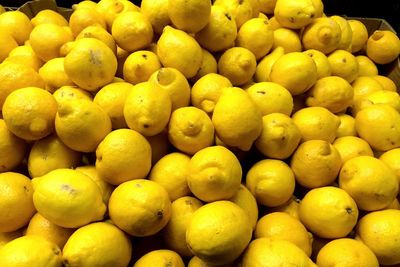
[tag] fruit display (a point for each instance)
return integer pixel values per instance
(251, 133)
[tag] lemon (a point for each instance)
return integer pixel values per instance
(30, 250)
(383, 47)
(316, 123)
(351, 146)
(111, 98)
(68, 92)
(189, 16)
(140, 207)
(160, 258)
(157, 13)
(85, 17)
(100, 34)
(371, 183)
(119, 7)
(366, 67)
(267, 6)
(346, 251)
(241, 11)
(363, 86)
(282, 226)
(24, 55)
(29, 113)
(207, 90)
(346, 33)
(328, 212)
(392, 160)
(264, 66)
(139, 66)
(81, 124)
(271, 181)
(40, 226)
(268, 252)
(359, 35)
(177, 49)
(50, 153)
(322, 34)
(379, 230)
(147, 108)
(53, 74)
(7, 44)
(238, 64)
(288, 39)
(16, 201)
(17, 24)
(214, 174)
(48, 16)
(321, 61)
(208, 65)
(347, 126)
(332, 92)
(232, 238)
(12, 149)
(379, 126)
(246, 200)
(68, 198)
(175, 83)
(97, 244)
(387, 83)
(279, 136)
(220, 32)
(294, 14)
(344, 64)
(159, 146)
(381, 97)
(84, 4)
(302, 69)
(291, 207)
(174, 233)
(316, 163)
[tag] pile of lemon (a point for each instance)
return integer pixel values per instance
(247, 133)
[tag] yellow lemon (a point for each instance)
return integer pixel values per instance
(177, 49)
(346, 33)
(328, 212)
(214, 174)
(30, 250)
(351, 146)
(29, 113)
(241, 11)
(139, 66)
(238, 64)
(208, 65)
(316, 123)
(97, 244)
(246, 200)
(189, 16)
(271, 181)
(85, 17)
(379, 230)
(279, 136)
(294, 14)
(100, 34)
(140, 207)
(123, 155)
(50, 153)
(157, 13)
(159, 146)
(363, 86)
(380, 97)
(392, 160)
(369, 181)
(81, 124)
(160, 258)
(12, 149)
(267, 6)
(359, 35)
(68, 198)
(343, 64)
(176, 85)
(282, 226)
(264, 66)
(347, 126)
(383, 47)
(16, 201)
(67, 92)
(90, 64)
(324, 68)
(269, 252)
(24, 55)
(332, 92)
(48, 16)
(379, 125)
(84, 4)
(17, 24)
(322, 34)
(220, 32)
(211, 219)
(316, 163)
(386, 82)
(302, 69)
(288, 39)
(207, 90)
(291, 207)
(53, 74)
(366, 67)
(117, 8)
(346, 251)
(111, 98)
(7, 44)
(174, 233)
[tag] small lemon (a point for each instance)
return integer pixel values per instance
(392, 160)
(174, 233)
(160, 258)
(211, 219)
(12, 149)
(383, 47)
(359, 35)
(347, 126)
(294, 14)
(363, 86)
(288, 39)
(16, 201)
(237, 119)
(117, 8)
(351, 146)
(189, 16)
(97, 244)
(139, 66)
(84, 4)
(279, 136)
(157, 13)
(68, 198)
(264, 66)
(328, 212)
(386, 82)
(159, 146)
(100, 34)
(246, 200)
(316, 123)
(369, 181)
(267, 6)
(346, 33)
(220, 32)
(316, 163)
(343, 64)
(291, 207)
(68, 92)
(322, 34)
(381, 97)
(241, 11)
(48, 16)
(50, 153)
(81, 124)
(238, 64)
(17, 24)
(85, 17)
(324, 68)
(7, 44)
(140, 207)
(208, 65)
(53, 74)
(176, 85)
(271, 181)
(24, 55)
(346, 251)
(332, 92)
(366, 67)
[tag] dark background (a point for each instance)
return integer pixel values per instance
(386, 9)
